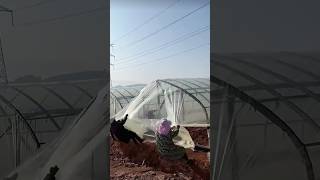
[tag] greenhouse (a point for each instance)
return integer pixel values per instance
(32, 114)
(185, 102)
(266, 118)
(79, 151)
(121, 96)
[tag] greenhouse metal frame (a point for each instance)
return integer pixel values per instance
(121, 96)
(197, 87)
(259, 79)
(193, 87)
(183, 101)
(24, 105)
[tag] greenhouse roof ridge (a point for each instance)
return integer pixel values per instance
(50, 82)
(183, 78)
(285, 84)
(30, 102)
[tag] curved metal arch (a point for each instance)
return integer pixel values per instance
(136, 89)
(71, 84)
(196, 80)
(182, 82)
(273, 118)
(6, 114)
(115, 97)
(58, 96)
(15, 109)
(128, 92)
(121, 94)
(304, 56)
(16, 95)
(192, 96)
(276, 75)
(205, 89)
(80, 89)
(290, 104)
(297, 68)
(280, 85)
(193, 82)
(44, 110)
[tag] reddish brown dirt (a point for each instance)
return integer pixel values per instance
(131, 161)
(199, 135)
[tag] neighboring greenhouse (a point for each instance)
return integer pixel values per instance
(79, 150)
(32, 114)
(120, 96)
(266, 116)
(185, 102)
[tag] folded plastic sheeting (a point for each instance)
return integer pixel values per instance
(163, 100)
(79, 152)
(248, 145)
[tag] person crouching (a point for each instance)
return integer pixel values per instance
(164, 141)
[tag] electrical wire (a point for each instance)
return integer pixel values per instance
(165, 45)
(164, 58)
(42, 21)
(147, 21)
(2, 8)
(168, 25)
(34, 5)
(202, 29)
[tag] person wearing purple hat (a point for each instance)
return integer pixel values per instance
(164, 141)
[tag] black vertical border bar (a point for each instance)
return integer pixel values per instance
(108, 89)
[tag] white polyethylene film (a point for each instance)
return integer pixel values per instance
(162, 100)
(277, 134)
(79, 152)
(249, 151)
(121, 96)
(173, 102)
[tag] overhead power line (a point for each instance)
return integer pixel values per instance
(42, 21)
(4, 9)
(168, 25)
(167, 57)
(202, 29)
(165, 45)
(147, 21)
(34, 5)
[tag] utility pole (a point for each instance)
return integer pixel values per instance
(3, 71)
(4, 80)
(114, 58)
(111, 54)
(7, 10)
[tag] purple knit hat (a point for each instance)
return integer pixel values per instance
(163, 126)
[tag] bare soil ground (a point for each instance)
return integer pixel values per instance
(131, 161)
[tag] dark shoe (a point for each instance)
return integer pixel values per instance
(189, 162)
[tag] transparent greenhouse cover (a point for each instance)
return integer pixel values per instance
(266, 116)
(184, 102)
(34, 113)
(121, 96)
(78, 151)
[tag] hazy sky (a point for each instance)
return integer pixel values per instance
(269, 25)
(73, 44)
(126, 17)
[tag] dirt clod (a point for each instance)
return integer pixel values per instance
(131, 161)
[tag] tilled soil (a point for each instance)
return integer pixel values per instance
(131, 161)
